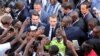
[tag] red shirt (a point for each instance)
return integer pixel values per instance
(92, 53)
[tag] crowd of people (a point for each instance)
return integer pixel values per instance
(49, 28)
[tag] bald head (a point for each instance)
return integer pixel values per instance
(74, 15)
(66, 21)
(20, 5)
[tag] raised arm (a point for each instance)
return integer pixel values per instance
(26, 22)
(20, 47)
(28, 46)
(68, 43)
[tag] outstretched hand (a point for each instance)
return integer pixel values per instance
(26, 22)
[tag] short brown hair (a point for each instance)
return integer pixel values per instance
(67, 5)
(53, 16)
(35, 13)
(6, 19)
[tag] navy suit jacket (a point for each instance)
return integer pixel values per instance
(23, 15)
(47, 29)
(75, 33)
(44, 17)
(80, 23)
(87, 17)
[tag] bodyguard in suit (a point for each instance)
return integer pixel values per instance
(72, 32)
(67, 8)
(43, 14)
(23, 12)
(85, 14)
(79, 22)
(50, 28)
(30, 4)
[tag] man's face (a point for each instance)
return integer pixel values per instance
(91, 25)
(18, 24)
(96, 33)
(37, 7)
(64, 23)
(58, 36)
(84, 9)
(65, 11)
(74, 18)
(35, 19)
(52, 21)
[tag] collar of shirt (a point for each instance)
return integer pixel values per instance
(76, 21)
(21, 10)
(85, 14)
(55, 39)
(52, 27)
(69, 12)
(82, 1)
(29, 1)
(40, 12)
(91, 32)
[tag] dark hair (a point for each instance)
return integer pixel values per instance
(87, 47)
(96, 30)
(93, 20)
(68, 19)
(53, 16)
(35, 13)
(74, 13)
(67, 5)
(86, 3)
(19, 3)
(53, 50)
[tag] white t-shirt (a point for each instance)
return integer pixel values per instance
(4, 47)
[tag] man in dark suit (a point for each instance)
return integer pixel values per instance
(72, 32)
(30, 3)
(50, 28)
(85, 14)
(67, 8)
(77, 21)
(23, 12)
(34, 21)
(43, 14)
